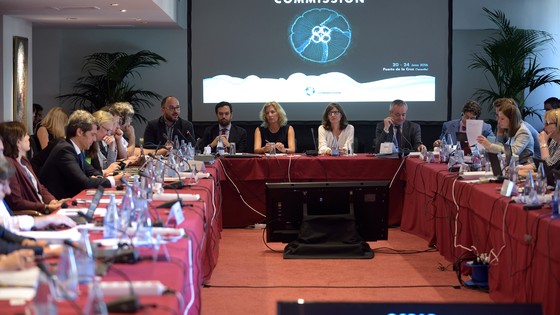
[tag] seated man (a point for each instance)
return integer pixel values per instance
(65, 172)
(471, 110)
(161, 132)
(407, 133)
(228, 131)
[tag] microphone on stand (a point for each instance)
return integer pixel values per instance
(315, 151)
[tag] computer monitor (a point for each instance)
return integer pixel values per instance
(369, 200)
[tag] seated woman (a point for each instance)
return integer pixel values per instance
(52, 127)
(274, 131)
(22, 222)
(335, 126)
(125, 135)
(519, 136)
(550, 152)
(27, 192)
(103, 152)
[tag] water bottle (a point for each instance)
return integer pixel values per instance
(144, 224)
(136, 196)
(530, 195)
(67, 275)
(127, 207)
(556, 200)
(84, 258)
(443, 152)
(95, 304)
(476, 159)
(424, 154)
(111, 222)
(220, 146)
(176, 144)
(159, 171)
(459, 153)
(512, 170)
(334, 147)
(541, 182)
(171, 164)
(190, 152)
(44, 302)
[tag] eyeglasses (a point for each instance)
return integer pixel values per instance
(106, 129)
(173, 108)
(549, 123)
(334, 113)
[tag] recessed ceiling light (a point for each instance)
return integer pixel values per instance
(123, 10)
(114, 4)
(71, 18)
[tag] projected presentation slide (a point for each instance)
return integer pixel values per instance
(305, 54)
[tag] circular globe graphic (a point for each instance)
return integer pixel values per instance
(320, 35)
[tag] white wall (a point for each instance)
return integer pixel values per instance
(14, 27)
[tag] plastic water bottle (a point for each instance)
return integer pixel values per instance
(111, 222)
(144, 224)
(84, 258)
(530, 195)
(443, 152)
(541, 181)
(44, 302)
(459, 153)
(67, 275)
(190, 152)
(556, 200)
(159, 171)
(127, 207)
(95, 304)
(512, 170)
(220, 146)
(171, 164)
(334, 147)
(476, 159)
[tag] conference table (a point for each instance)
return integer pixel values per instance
(243, 180)
(462, 219)
(191, 259)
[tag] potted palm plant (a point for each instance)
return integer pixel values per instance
(510, 62)
(107, 80)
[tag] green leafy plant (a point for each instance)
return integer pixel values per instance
(510, 57)
(107, 80)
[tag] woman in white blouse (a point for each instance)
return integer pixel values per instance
(335, 130)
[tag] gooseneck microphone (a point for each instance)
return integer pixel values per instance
(314, 152)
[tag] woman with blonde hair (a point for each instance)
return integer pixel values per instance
(52, 126)
(274, 132)
(550, 150)
(103, 152)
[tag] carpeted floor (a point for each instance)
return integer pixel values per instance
(251, 279)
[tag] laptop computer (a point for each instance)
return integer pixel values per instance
(88, 216)
(495, 164)
(464, 142)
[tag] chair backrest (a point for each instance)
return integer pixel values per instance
(35, 146)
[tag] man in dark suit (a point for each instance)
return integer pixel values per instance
(407, 133)
(162, 131)
(228, 131)
(65, 172)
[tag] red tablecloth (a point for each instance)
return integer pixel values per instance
(459, 217)
(193, 258)
(243, 180)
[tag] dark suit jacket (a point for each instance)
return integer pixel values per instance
(10, 242)
(236, 134)
(411, 136)
(63, 176)
(155, 133)
(24, 196)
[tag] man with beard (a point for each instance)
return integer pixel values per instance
(225, 129)
(161, 132)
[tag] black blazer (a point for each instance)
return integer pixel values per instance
(10, 242)
(155, 133)
(63, 176)
(236, 134)
(411, 134)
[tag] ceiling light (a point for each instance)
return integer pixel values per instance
(123, 10)
(114, 4)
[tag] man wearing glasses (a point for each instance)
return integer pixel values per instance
(407, 133)
(161, 132)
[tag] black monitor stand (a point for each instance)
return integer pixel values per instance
(328, 236)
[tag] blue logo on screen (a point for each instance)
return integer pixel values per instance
(309, 90)
(320, 35)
